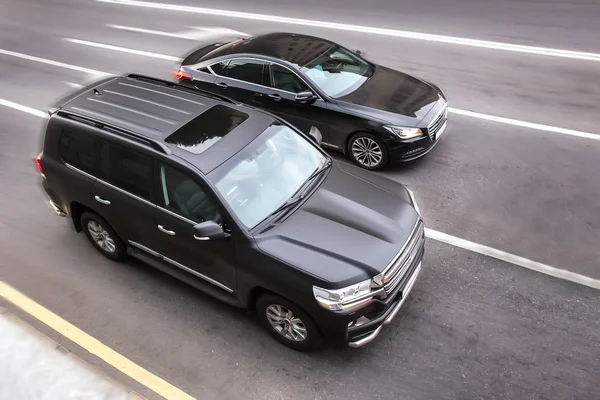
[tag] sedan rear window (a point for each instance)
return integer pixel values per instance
(207, 129)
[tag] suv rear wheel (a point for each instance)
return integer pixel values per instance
(103, 236)
(288, 323)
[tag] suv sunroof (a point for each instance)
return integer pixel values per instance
(206, 129)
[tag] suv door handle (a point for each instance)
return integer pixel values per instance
(222, 85)
(275, 97)
(101, 200)
(165, 230)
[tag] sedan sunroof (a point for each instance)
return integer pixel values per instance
(207, 129)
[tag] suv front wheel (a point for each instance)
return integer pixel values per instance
(288, 323)
(103, 236)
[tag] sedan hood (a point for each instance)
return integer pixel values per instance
(392, 96)
(349, 230)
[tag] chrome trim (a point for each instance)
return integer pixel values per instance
(444, 109)
(101, 200)
(257, 84)
(406, 263)
(438, 134)
(80, 171)
(57, 210)
(405, 293)
(366, 339)
(146, 249)
(181, 266)
(181, 217)
(330, 145)
(414, 200)
(201, 237)
(198, 274)
(399, 254)
(167, 231)
(370, 337)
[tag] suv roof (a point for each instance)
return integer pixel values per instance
(167, 116)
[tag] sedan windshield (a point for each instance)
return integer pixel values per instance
(338, 71)
(267, 173)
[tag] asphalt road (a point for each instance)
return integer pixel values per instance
(474, 328)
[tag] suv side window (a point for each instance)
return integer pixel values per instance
(246, 70)
(127, 169)
(284, 79)
(80, 151)
(181, 194)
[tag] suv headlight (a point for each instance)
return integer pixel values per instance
(413, 200)
(349, 298)
(404, 133)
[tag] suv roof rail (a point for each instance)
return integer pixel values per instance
(179, 86)
(155, 144)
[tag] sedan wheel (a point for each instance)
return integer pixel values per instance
(367, 151)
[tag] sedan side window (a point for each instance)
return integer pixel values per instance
(183, 196)
(246, 70)
(284, 79)
(219, 68)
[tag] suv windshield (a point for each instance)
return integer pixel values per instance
(338, 71)
(268, 172)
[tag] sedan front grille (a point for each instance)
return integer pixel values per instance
(405, 259)
(437, 123)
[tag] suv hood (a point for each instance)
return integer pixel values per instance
(348, 230)
(392, 96)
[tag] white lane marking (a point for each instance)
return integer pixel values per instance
(123, 49)
(512, 259)
(194, 33)
(20, 107)
(439, 236)
(365, 29)
(74, 85)
(466, 113)
(525, 124)
(52, 62)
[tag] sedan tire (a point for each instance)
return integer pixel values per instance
(367, 151)
(288, 323)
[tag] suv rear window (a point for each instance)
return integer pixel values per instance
(206, 129)
(80, 151)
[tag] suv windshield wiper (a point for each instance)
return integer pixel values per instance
(319, 170)
(290, 202)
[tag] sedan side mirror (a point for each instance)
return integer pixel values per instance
(209, 230)
(316, 135)
(304, 96)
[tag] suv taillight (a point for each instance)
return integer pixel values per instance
(38, 164)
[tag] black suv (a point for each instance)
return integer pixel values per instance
(235, 202)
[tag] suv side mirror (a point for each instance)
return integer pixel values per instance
(209, 230)
(304, 96)
(316, 134)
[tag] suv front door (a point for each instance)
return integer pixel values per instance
(182, 203)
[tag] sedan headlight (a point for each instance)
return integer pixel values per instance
(413, 200)
(349, 298)
(404, 133)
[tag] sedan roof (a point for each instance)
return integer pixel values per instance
(295, 48)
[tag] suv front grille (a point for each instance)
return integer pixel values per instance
(405, 259)
(437, 123)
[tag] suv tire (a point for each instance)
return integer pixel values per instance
(288, 323)
(103, 236)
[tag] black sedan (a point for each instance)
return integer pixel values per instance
(371, 113)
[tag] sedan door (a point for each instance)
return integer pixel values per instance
(280, 99)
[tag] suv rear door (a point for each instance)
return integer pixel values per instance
(123, 192)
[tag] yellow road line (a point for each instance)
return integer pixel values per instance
(92, 345)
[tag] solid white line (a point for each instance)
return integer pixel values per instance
(141, 30)
(195, 33)
(512, 259)
(123, 49)
(53, 63)
(466, 113)
(365, 29)
(525, 124)
(23, 108)
(439, 236)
